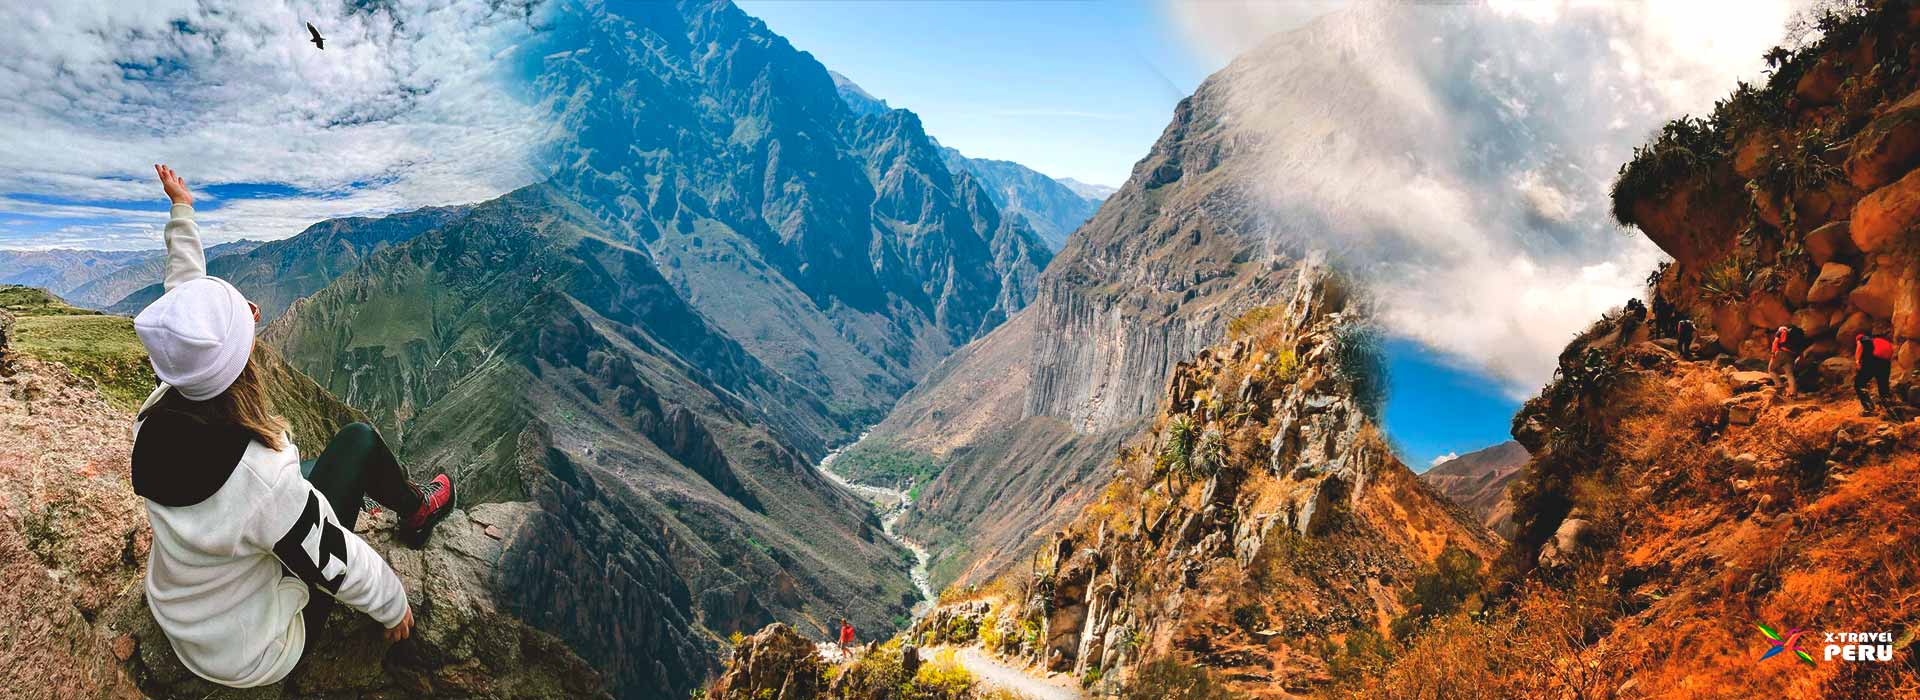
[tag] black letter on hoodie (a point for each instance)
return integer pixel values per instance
(292, 548)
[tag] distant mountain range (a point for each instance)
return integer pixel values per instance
(1089, 191)
(1052, 207)
(94, 279)
(1478, 481)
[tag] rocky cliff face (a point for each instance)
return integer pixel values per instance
(1478, 481)
(522, 350)
(1020, 417)
(834, 244)
(1262, 519)
(74, 537)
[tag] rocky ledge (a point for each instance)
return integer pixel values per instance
(463, 644)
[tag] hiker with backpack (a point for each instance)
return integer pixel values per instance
(1663, 316)
(1788, 341)
(1683, 332)
(1872, 362)
(251, 545)
(1633, 314)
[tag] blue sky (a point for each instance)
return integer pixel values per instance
(1436, 409)
(1071, 88)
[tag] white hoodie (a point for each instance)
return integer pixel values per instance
(227, 513)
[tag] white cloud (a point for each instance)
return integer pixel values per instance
(1460, 156)
(408, 106)
(1443, 459)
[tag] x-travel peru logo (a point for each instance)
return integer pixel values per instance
(959, 350)
(1784, 644)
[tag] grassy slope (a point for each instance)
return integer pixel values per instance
(103, 349)
(95, 346)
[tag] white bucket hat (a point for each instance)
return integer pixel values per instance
(198, 336)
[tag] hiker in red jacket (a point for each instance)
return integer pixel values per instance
(846, 637)
(1872, 362)
(1788, 340)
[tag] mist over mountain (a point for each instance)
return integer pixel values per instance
(1088, 190)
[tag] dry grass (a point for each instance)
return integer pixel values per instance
(1697, 546)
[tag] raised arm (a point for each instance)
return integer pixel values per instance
(186, 261)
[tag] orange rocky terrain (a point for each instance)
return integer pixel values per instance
(1673, 507)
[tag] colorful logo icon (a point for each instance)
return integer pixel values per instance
(1791, 642)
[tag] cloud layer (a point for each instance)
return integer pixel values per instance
(409, 105)
(1460, 155)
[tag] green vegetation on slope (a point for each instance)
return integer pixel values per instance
(97, 347)
(881, 463)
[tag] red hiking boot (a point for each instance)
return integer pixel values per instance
(436, 503)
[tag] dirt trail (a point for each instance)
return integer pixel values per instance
(994, 673)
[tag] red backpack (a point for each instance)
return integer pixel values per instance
(1883, 348)
(1879, 347)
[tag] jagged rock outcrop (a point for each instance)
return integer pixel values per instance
(775, 663)
(1264, 505)
(464, 644)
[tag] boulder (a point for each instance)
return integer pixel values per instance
(1816, 206)
(775, 663)
(1906, 306)
(1741, 410)
(1767, 311)
(1569, 541)
(1875, 295)
(1855, 324)
(1829, 243)
(1743, 382)
(1820, 85)
(1755, 150)
(1815, 321)
(1796, 291)
(1887, 147)
(1834, 281)
(1886, 214)
(1730, 323)
(463, 644)
(1835, 370)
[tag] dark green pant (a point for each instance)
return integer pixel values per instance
(356, 465)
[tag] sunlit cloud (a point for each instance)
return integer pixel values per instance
(409, 105)
(1459, 156)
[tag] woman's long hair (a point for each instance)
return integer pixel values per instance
(243, 405)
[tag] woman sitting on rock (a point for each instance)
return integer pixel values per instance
(245, 536)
